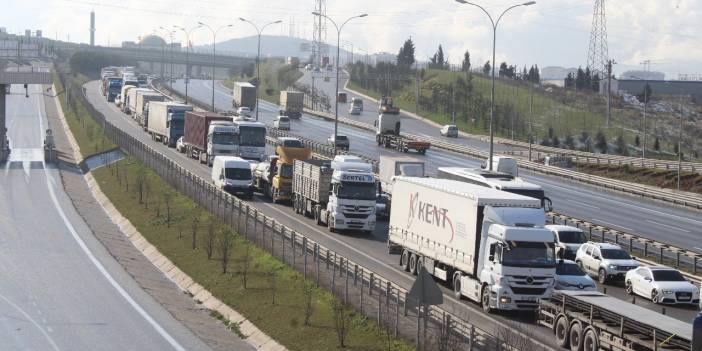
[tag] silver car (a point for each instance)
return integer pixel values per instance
(605, 261)
(569, 276)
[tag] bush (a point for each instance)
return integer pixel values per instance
(90, 63)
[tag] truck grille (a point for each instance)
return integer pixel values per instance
(527, 291)
(355, 215)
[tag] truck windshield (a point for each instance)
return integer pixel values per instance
(286, 170)
(237, 173)
(357, 191)
(529, 254)
(572, 237)
(537, 194)
(252, 136)
(411, 170)
(223, 138)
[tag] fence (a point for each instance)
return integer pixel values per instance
(431, 327)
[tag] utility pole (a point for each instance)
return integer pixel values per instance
(643, 147)
(453, 105)
(531, 116)
(680, 140)
(416, 98)
(609, 91)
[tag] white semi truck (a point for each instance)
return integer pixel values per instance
(488, 245)
(340, 194)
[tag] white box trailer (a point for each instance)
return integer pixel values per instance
(393, 166)
(490, 246)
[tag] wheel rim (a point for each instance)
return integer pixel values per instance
(602, 276)
(486, 299)
(575, 337)
(413, 264)
(457, 285)
(589, 342)
(654, 296)
(561, 330)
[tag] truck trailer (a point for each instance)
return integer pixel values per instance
(209, 134)
(291, 103)
(244, 95)
(141, 110)
(487, 245)
(166, 121)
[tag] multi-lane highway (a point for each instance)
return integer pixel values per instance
(60, 288)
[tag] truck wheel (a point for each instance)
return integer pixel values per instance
(485, 299)
(404, 260)
(295, 205)
(317, 216)
(413, 264)
(329, 225)
(457, 285)
(576, 337)
(560, 330)
(602, 276)
(590, 340)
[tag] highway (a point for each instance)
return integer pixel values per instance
(60, 288)
(650, 219)
(371, 251)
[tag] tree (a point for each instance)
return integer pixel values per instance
(210, 240)
(438, 61)
(569, 80)
(406, 55)
(645, 95)
(486, 68)
(225, 248)
(309, 301)
(579, 79)
(637, 141)
(657, 145)
(601, 142)
(622, 147)
(465, 66)
(341, 320)
(504, 70)
(569, 142)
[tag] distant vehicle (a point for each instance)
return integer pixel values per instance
(7, 89)
(288, 142)
(233, 175)
(605, 261)
(282, 123)
(353, 110)
(118, 100)
(568, 240)
(143, 80)
(274, 176)
(661, 285)
(243, 111)
(387, 134)
(316, 69)
(503, 164)
(356, 106)
(569, 276)
(244, 95)
(386, 105)
(252, 139)
(292, 103)
(341, 97)
(394, 166)
(308, 67)
(180, 145)
(167, 121)
(449, 131)
(209, 134)
(341, 142)
(330, 67)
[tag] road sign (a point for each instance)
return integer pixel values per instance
(425, 290)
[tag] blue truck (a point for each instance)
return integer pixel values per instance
(166, 121)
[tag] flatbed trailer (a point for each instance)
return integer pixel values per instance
(592, 321)
(402, 143)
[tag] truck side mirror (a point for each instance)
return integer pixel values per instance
(491, 257)
(548, 205)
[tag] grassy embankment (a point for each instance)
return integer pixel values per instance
(275, 295)
(275, 76)
(656, 177)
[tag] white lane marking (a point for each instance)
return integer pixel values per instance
(103, 270)
(583, 204)
(34, 323)
(611, 224)
(667, 226)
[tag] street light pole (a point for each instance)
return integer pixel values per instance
(336, 92)
(680, 133)
(492, 91)
(187, 57)
(258, 55)
(214, 54)
(170, 49)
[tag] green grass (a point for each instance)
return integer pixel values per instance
(275, 76)
(88, 133)
(282, 320)
(649, 176)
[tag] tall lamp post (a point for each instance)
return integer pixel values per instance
(187, 56)
(645, 97)
(258, 55)
(492, 92)
(214, 54)
(170, 49)
(338, 44)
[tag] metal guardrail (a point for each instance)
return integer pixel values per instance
(376, 296)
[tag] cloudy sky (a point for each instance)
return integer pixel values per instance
(552, 32)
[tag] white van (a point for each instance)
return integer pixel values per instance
(233, 175)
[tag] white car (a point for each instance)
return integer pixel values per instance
(282, 123)
(605, 261)
(180, 145)
(449, 131)
(568, 240)
(243, 111)
(569, 276)
(661, 285)
(118, 100)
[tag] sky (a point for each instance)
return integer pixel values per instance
(549, 33)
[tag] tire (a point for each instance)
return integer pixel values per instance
(590, 340)
(420, 264)
(580, 264)
(575, 336)
(413, 264)
(329, 226)
(317, 216)
(294, 204)
(560, 330)
(629, 288)
(404, 259)
(457, 285)
(485, 299)
(602, 276)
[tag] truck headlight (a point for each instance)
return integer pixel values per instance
(505, 299)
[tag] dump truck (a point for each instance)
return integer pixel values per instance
(273, 177)
(590, 320)
(244, 95)
(487, 245)
(386, 106)
(167, 121)
(291, 103)
(387, 135)
(209, 134)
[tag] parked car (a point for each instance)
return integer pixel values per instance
(243, 111)
(180, 145)
(605, 261)
(569, 276)
(568, 240)
(341, 142)
(449, 131)
(282, 123)
(661, 285)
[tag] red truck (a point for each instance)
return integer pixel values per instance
(209, 134)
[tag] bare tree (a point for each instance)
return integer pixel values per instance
(140, 183)
(194, 224)
(272, 275)
(225, 248)
(167, 197)
(246, 264)
(309, 301)
(209, 242)
(518, 336)
(147, 191)
(341, 321)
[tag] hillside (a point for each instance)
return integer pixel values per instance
(271, 46)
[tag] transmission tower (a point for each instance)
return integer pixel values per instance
(320, 32)
(597, 53)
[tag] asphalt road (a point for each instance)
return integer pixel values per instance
(60, 288)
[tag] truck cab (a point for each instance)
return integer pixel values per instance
(353, 195)
(222, 139)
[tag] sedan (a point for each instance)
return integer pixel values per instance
(180, 145)
(569, 276)
(661, 285)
